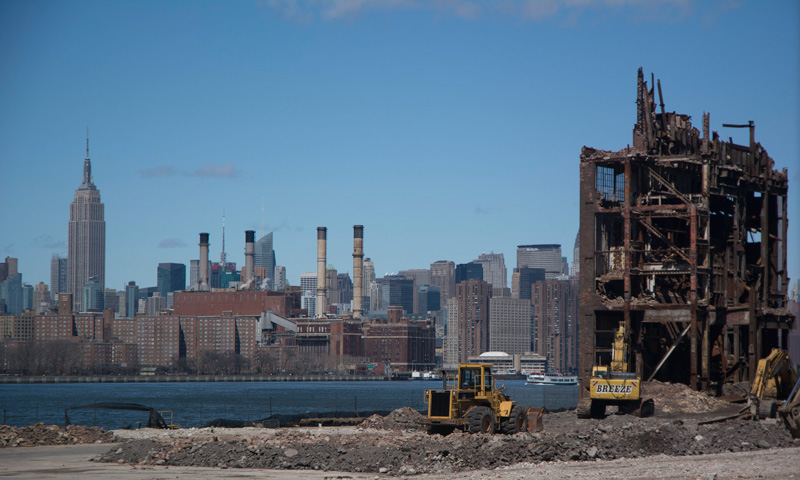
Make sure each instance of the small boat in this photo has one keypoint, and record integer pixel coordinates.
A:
(424, 376)
(542, 378)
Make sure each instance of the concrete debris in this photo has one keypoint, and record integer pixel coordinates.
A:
(40, 434)
(405, 418)
(678, 398)
(397, 451)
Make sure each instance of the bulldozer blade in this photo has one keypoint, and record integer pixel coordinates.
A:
(535, 419)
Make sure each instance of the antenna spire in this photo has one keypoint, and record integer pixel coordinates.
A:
(86, 183)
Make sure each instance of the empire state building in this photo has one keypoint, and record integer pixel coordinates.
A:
(86, 243)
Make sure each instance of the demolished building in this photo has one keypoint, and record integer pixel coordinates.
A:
(682, 238)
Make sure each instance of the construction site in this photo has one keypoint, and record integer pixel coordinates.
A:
(682, 241)
(683, 294)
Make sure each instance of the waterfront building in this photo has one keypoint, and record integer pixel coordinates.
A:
(86, 239)
(404, 344)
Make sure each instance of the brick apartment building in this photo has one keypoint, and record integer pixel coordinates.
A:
(405, 344)
(232, 302)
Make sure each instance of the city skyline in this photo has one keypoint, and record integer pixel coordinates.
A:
(476, 122)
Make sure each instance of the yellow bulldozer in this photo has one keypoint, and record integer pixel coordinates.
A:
(469, 400)
(614, 385)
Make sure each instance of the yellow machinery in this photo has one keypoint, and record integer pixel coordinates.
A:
(614, 385)
(469, 400)
(773, 382)
(789, 411)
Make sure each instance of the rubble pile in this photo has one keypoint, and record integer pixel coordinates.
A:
(405, 418)
(671, 398)
(410, 451)
(40, 434)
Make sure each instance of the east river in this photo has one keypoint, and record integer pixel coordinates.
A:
(195, 404)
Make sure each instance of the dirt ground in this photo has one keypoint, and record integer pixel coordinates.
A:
(677, 442)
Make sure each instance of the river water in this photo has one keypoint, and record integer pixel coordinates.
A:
(195, 404)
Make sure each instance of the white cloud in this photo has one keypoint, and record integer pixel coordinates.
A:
(171, 243)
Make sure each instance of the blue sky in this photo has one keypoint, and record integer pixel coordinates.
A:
(447, 128)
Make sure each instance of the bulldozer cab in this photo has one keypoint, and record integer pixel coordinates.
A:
(474, 380)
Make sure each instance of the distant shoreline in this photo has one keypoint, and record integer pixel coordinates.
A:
(46, 379)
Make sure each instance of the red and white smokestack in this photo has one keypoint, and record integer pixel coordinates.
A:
(358, 267)
(322, 301)
(249, 258)
(203, 282)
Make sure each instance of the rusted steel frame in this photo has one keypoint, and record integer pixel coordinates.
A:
(658, 208)
(693, 295)
(628, 256)
(669, 186)
(784, 227)
(766, 277)
(679, 209)
(654, 231)
(669, 352)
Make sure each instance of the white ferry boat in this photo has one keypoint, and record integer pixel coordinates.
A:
(542, 378)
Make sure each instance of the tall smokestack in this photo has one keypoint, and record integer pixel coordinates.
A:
(203, 262)
(249, 258)
(322, 240)
(358, 266)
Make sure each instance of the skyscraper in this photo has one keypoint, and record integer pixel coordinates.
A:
(280, 278)
(397, 290)
(171, 277)
(473, 318)
(308, 289)
(131, 299)
(265, 257)
(58, 275)
(468, 271)
(509, 325)
(368, 276)
(443, 275)
(86, 240)
(541, 256)
(494, 269)
(92, 295)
